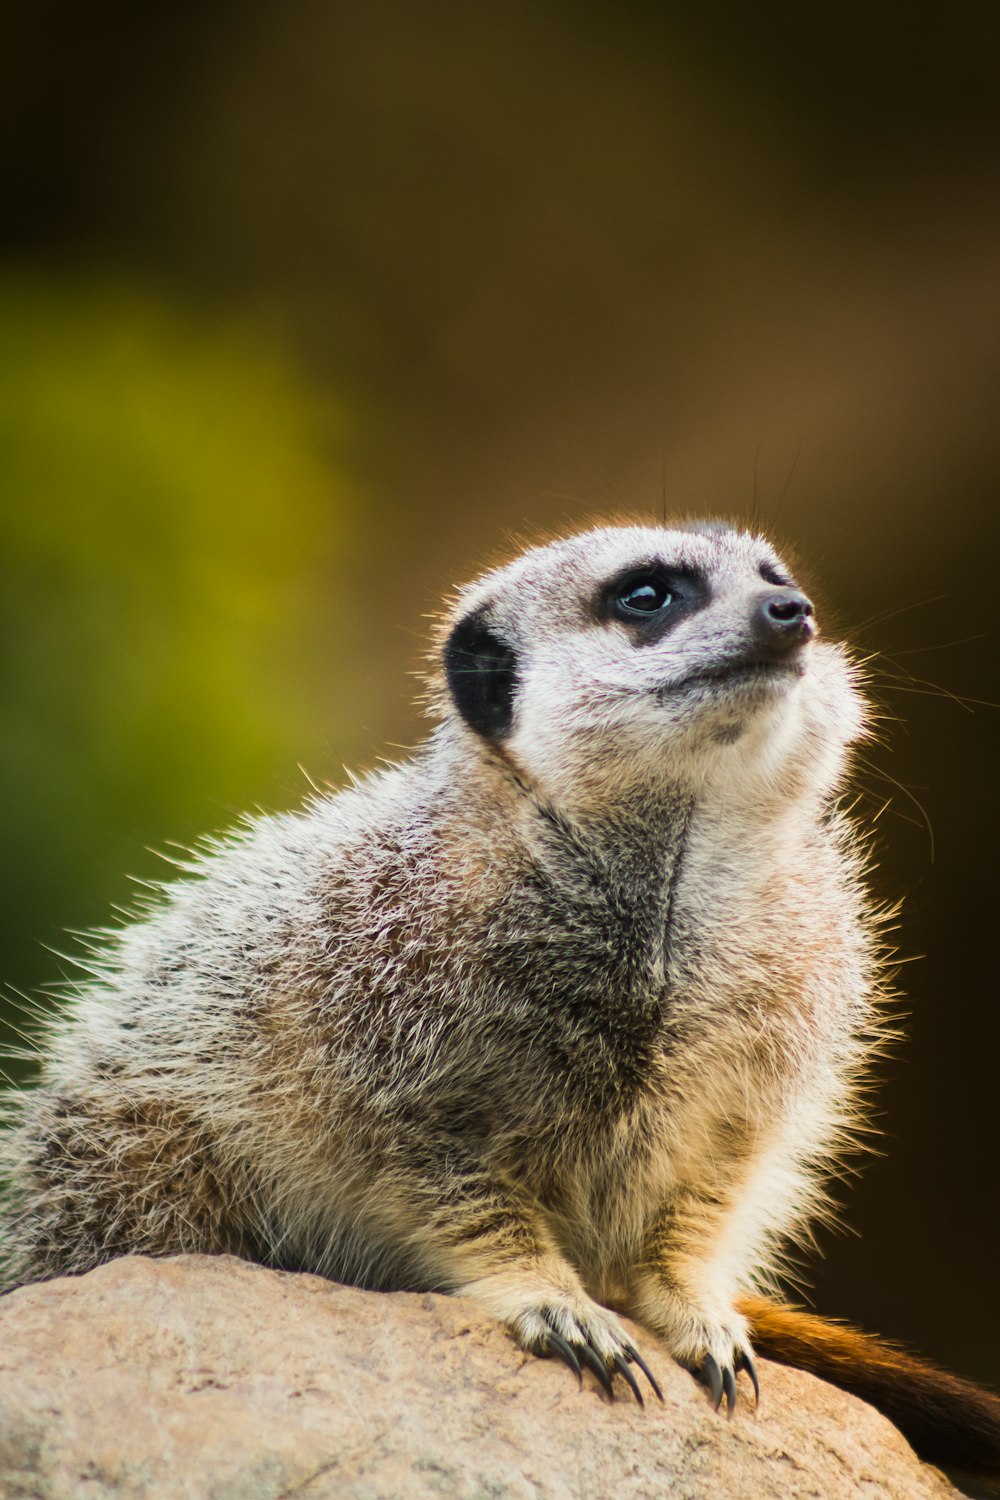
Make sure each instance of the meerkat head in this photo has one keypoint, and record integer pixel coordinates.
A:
(635, 657)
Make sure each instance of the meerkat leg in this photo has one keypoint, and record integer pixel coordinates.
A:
(683, 1291)
(486, 1246)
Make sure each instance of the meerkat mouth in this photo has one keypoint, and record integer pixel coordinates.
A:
(744, 672)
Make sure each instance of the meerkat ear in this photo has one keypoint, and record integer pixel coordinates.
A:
(482, 675)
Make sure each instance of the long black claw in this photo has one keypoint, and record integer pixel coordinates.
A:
(711, 1375)
(594, 1362)
(745, 1362)
(623, 1369)
(634, 1357)
(558, 1345)
(729, 1386)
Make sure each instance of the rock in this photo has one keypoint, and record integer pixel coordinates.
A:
(212, 1379)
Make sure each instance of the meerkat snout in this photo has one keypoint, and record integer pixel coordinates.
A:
(783, 620)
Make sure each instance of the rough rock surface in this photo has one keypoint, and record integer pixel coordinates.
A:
(217, 1380)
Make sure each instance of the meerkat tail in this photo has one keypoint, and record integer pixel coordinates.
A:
(948, 1420)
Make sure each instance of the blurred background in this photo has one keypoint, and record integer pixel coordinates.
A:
(305, 308)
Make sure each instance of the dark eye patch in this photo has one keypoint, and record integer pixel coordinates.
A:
(772, 574)
(650, 599)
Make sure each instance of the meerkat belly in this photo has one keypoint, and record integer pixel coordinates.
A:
(762, 1012)
(601, 1202)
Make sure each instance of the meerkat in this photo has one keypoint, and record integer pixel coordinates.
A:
(567, 1014)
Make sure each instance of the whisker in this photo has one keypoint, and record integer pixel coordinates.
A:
(788, 481)
(966, 640)
(900, 609)
(907, 792)
(904, 675)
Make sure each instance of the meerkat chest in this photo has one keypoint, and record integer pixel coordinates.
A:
(716, 1024)
(647, 1011)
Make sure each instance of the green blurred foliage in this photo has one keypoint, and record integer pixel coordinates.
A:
(170, 514)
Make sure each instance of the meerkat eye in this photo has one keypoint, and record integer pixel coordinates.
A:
(643, 595)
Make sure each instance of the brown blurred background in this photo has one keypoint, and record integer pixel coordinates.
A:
(303, 308)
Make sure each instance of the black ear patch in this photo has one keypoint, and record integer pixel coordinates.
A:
(482, 676)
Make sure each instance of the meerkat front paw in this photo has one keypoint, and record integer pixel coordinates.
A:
(549, 1313)
(584, 1336)
(714, 1349)
(715, 1353)
(718, 1376)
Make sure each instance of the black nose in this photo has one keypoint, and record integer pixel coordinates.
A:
(783, 619)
